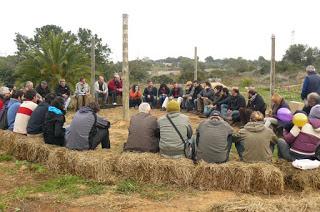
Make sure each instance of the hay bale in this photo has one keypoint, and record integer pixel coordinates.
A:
(238, 176)
(294, 106)
(152, 168)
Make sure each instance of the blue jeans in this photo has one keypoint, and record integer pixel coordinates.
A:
(285, 153)
(152, 101)
(235, 114)
(238, 145)
(161, 99)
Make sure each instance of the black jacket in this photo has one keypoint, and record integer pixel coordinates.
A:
(35, 124)
(62, 90)
(237, 102)
(152, 92)
(163, 90)
(257, 104)
(53, 131)
(42, 92)
(196, 91)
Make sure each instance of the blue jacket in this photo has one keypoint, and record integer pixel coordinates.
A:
(311, 84)
(13, 107)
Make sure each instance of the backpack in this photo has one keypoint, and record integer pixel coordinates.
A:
(4, 119)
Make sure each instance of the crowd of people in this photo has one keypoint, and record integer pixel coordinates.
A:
(39, 111)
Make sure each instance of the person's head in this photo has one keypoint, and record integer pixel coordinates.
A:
(49, 98)
(188, 84)
(58, 102)
(18, 95)
(82, 80)
(135, 88)
(207, 85)
(225, 91)
(315, 112)
(215, 115)
(218, 88)
(173, 107)
(150, 83)
(44, 84)
(94, 106)
(101, 79)
(196, 83)
(144, 108)
(251, 92)
(62, 82)
(256, 116)
(276, 99)
(116, 77)
(28, 85)
(313, 99)
(235, 91)
(5, 92)
(175, 85)
(310, 69)
(31, 95)
(163, 85)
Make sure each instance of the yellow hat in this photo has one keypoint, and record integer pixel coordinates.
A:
(173, 106)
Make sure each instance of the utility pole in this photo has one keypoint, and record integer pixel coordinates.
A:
(195, 76)
(93, 65)
(272, 66)
(125, 68)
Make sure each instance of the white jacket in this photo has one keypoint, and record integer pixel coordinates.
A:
(104, 87)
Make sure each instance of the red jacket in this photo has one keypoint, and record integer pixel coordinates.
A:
(115, 86)
(133, 95)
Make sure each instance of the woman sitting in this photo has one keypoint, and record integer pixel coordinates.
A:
(135, 96)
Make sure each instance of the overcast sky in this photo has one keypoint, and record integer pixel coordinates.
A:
(171, 28)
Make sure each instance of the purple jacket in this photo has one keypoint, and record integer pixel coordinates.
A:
(305, 140)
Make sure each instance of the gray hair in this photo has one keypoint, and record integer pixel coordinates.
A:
(28, 83)
(144, 108)
(310, 68)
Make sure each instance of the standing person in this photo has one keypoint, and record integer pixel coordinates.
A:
(278, 102)
(64, 91)
(53, 130)
(43, 89)
(175, 94)
(101, 91)
(150, 94)
(13, 107)
(82, 92)
(135, 96)
(37, 118)
(25, 111)
(204, 97)
(311, 82)
(312, 100)
(171, 145)
(163, 93)
(115, 88)
(87, 130)
(237, 102)
(144, 131)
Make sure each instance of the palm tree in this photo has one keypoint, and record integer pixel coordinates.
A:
(58, 56)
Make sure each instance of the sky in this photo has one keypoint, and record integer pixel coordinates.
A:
(172, 28)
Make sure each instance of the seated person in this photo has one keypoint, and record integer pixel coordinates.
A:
(187, 97)
(255, 103)
(5, 95)
(197, 88)
(204, 97)
(13, 107)
(25, 111)
(115, 88)
(301, 143)
(277, 103)
(150, 94)
(171, 145)
(143, 131)
(214, 139)
(43, 89)
(37, 118)
(101, 91)
(135, 96)
(175, 93)
(257, 141)
(53, 131)
(312, 100)
(82, 92)
(87, 130)
(223, 99)
(230, 110)
(64, 91)
(163, 93)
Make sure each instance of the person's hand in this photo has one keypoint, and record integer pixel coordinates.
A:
(65, 96)
(148, 96)
(189, 97)
(229, 111)
(205, 97)
(171, 97)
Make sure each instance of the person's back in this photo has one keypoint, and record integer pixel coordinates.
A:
(37, 118)
(143, 131)
(170, 142)
(212, 140)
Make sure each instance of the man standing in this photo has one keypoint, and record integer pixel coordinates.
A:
(311, 82)
(150, 94)
(101, 91)
(82, 92)
(63, 90)
(115, 88)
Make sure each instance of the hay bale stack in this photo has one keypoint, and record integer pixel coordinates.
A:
(237, 176)
(152, 168)
(7, 140)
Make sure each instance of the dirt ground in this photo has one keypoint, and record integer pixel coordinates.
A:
(20, 183)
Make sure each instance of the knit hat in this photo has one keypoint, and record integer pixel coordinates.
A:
(315, 112)
(4, 90)
(173, 106)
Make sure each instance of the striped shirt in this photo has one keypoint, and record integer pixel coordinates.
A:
(23, 116)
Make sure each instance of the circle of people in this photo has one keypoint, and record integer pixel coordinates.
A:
(296, 135)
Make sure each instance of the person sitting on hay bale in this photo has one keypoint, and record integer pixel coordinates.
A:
(302, 141)
(13, 106)
(64, 90)
(5, 95)
(312, 100)
(143, 131)
(87, 130)
(204, 98)
(135, 96)
(115, 88)
(175, 130)
(53, 130)
(43, 89)
(82, 93)
(25, 111)
(197, 88)
(187, 97)
(101, 91)
(163, 93)
(36, 122)
(150, 94)
(214, 139)
(257, 141)
(230, 110)
(175, 94)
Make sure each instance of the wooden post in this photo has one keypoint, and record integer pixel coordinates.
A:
(125, 68)
(195, 76)
(272, 67)
(93, 66)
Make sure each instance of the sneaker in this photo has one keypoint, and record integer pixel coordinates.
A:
(114, 103)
